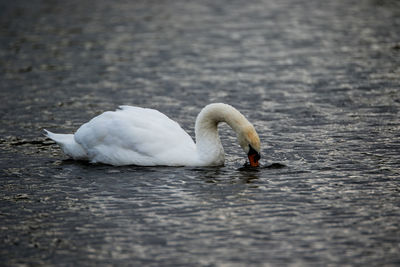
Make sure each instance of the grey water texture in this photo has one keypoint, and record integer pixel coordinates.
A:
(320, 81)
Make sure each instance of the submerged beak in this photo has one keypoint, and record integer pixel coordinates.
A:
(254, 157)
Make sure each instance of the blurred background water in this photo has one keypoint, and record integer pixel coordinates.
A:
(318, 79)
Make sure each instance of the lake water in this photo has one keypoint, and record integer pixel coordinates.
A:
(320, 80)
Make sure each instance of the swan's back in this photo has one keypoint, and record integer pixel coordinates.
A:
(134, 135)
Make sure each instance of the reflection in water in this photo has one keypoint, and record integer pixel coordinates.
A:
(249, 174)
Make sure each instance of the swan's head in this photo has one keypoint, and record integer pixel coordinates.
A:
(250, 142)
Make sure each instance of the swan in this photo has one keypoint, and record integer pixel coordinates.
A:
(146, 137)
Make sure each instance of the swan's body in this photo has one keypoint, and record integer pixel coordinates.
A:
(146, 137)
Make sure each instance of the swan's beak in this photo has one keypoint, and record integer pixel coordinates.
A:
(254, 160)
(254, 157)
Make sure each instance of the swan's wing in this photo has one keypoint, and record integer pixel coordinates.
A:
(133, 135)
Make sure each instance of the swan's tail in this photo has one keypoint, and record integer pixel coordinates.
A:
(68, 145)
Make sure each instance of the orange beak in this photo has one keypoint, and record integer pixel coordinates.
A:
(253, 158)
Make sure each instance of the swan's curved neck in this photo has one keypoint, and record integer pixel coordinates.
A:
(208, 144)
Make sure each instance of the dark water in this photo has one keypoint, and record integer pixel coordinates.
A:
(320, 80)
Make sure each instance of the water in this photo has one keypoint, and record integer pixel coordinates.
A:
(320, 82)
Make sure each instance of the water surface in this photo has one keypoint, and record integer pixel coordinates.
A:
(320, 82)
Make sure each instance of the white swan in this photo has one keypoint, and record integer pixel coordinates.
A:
(146, 137)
